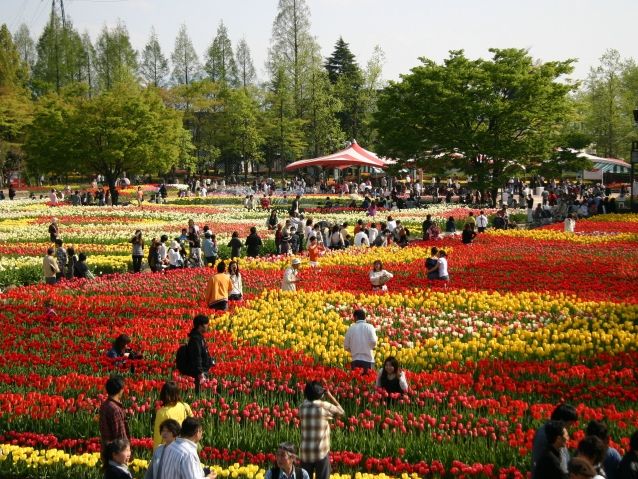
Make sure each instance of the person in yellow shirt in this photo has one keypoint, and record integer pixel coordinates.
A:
(172, 408)
(218, 288)
(50, 267)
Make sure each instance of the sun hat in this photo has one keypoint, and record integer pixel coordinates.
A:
(296, 261)
(175, 245)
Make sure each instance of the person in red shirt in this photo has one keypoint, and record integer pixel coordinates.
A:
(315, 249)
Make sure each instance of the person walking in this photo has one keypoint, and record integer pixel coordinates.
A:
(315, 415)
(481, 222)
(360, 341)
(180, 459)
(112, 417)
(291, 276)
(199, 358)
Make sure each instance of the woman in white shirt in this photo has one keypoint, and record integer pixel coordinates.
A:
(237, 291)
(379, 277)
(175, 259)
(442, 266)
(570, 224)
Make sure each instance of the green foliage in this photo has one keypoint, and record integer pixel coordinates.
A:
(125, 129)
(13, 70)
(185, 61)
(502, 114)
(25, 46)
(116, 60)
(220, 63)
(245, 67)
(153, 66)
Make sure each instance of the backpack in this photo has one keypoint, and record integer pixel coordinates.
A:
(182, 360)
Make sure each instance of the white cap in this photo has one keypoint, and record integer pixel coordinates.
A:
(296, 261)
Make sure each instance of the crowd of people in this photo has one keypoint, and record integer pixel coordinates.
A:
(176, 433)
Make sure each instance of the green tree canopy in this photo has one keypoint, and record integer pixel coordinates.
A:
(154, 65)
(125, 129)
(186, 66)
(220, 58)
(116, 59)
(501, 114)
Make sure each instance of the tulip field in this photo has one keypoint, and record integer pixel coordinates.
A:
(529, 318)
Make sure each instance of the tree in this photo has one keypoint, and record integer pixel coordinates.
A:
(347, 78)
(60, 57)
(154, 66)
(116, 60)
(15, 104)
(245, 67)
(611, 101)
(185, 62)
(500, 114)
(220, 63)
(292, 47)
(25, 46)
(89, 64)
(373, 83)
(284, 138)
(125, 129)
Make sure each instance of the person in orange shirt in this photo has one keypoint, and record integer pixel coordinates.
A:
(315, 249)
(218, 288)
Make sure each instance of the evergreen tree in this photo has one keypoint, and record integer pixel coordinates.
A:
(245, 66)
(154, 66)
(341, 62)
(186, 66)
(116, 60)
(220, 62)
(25, 45)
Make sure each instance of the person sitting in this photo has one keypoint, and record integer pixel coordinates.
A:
(549, 463)
(391, 378)
(120, 349)
(286, 457)
(434, 231)
(81, 269)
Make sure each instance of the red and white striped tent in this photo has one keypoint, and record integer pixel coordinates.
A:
(354, 155)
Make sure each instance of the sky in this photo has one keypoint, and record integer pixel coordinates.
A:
(404, 29)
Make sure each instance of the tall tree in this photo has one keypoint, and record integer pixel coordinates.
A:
(154, 65)
(347, 78)
(373, 83)
(125, 129)
(245, 66)
(610, 118)
(502, 114)
(292, 47)
(220, 60)
(15, 103)
(89, 67)
(116, 60)
(25, 46)
(186, 66)
(59, 56)
(284, 137)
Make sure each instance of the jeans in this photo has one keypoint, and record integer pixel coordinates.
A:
(137, 263)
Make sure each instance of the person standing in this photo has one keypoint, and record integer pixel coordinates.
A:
(137, 251)
(209, 247)
(115, 458)
(360, 341)
(315, 415)
(235, 245)
(54, 230)
(291, 276)
(425, 226)
(570, 223)
(113, 423)
(237, 289)
(12, 192)
(218, 289)
(628, 468)
(253, 243)
(50, 268)
(481, 222)
(199, 358)
(62, 258)
(172, 408)
(180, 459)
(315, 249)
(530, 208)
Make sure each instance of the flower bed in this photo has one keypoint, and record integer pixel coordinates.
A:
(529, 319)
